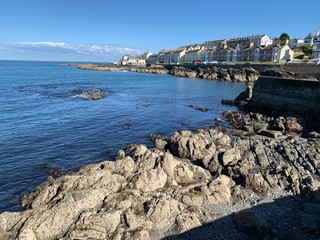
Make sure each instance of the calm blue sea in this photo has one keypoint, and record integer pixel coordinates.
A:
(43, 127)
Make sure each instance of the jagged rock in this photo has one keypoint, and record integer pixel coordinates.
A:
(111, 199)
(201, 109)
(94, 94)
(146, 193)
(231, 156)
(238, 75)
(251, 74)
(270, 133)
(292, 125)
(257, 182)
(218, 119)
(183, 72)
(313, 134)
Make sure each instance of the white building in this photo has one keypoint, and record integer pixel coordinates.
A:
(296, 42)
(257, 40)
(286, 53)
(212, 44)
(308, 40)
(316, 47)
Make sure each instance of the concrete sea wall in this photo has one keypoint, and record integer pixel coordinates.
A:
(301, 96)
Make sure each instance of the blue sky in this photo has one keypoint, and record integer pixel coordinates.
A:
(101, 30)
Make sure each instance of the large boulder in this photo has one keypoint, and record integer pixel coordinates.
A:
(183, 72)
(141, 194)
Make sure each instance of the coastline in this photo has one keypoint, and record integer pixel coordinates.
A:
(245, 74)
(190, 185)
(234, 73)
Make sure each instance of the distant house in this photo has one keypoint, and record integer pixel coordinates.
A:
(269, 53)
(308, 40)
(316, 48)
(164, 56)
(286, 53)
(210, 55)
(296, 42)
(126, 59)
(130, 60)
(178, 55)
(276, 53)
(144, 55)
(152, 59)
(257, 40)
(249, 53)
(213, 44)
(194, 53)
(226, 54)
(140, 61)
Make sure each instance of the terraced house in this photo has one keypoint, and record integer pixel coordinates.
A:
(249, 53)
(257, 40)
(253, 48)
(316, 48)
(194, 53)
(226, 54)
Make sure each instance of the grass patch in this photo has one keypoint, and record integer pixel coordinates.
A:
(298, 55)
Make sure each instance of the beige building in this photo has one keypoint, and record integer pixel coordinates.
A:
(276, 53)
(178, 55)
(194, 53)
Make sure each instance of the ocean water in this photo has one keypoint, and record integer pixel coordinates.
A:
(44, 127)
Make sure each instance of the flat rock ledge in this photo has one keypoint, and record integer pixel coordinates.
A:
(197, 178)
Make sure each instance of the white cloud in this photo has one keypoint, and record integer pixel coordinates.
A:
(64, 51)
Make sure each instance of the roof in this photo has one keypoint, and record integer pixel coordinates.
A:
(248, 48)
(259, 36)
(220, 40)
(193, 51)
(226, 49)
(180, 49)
(310, 36)
(271, 46)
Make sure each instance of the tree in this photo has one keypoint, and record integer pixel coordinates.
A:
(284, 37)
(307, 50)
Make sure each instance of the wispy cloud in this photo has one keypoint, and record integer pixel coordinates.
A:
(64, 51)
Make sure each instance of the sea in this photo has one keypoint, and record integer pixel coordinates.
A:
(47, 128)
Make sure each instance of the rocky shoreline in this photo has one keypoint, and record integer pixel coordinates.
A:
(238, 183)
(245, 74)
(228, 73)
(257, 179)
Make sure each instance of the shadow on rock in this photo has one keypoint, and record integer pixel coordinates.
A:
(288, 218)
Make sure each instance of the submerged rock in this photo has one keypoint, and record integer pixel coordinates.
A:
(94, 94)
(201, 109)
